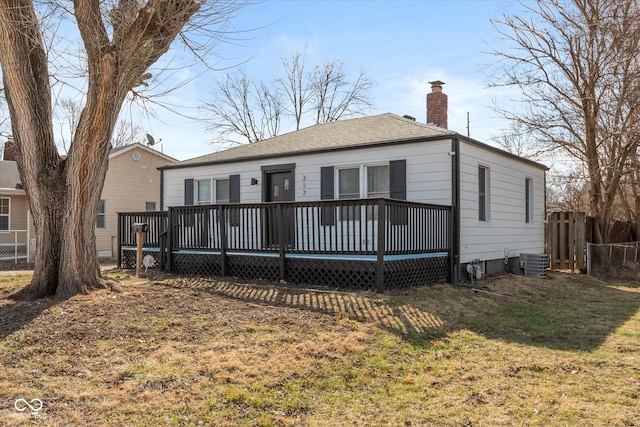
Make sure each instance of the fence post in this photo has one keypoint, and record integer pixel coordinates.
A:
(119, 234)
(15, 247)
(29, 235)
(581, 218)
(281, 239)
(588, 258)
(170, 237)
(381, 246)
(223, 241)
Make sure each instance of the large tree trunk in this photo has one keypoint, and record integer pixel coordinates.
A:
(64, 193)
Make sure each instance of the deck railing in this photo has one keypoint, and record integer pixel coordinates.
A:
(355, 226)
(373, 227)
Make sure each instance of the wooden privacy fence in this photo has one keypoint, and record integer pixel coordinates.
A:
(565, 240)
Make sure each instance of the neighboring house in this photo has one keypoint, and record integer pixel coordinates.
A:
(132, 183)
(13, 212)
(13, 199)
(498, 199)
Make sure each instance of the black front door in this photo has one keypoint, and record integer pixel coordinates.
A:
(279, 188)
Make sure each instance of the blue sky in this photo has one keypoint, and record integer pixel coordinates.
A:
(401, 45)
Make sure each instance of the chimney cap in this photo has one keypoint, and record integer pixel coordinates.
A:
(436, 83)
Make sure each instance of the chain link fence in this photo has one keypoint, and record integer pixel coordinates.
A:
(619, 260)
(15, 245)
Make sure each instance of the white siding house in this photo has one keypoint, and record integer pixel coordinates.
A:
(498, 198)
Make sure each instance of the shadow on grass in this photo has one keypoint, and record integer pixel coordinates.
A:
(15, 315)
(565, 313)
(578, 313)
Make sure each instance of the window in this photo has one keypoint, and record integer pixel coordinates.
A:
(349, 188)
(386, 180)
(528, 200)
(150, 206)
(203, 192)
(349, 183)
(483, 193)
(222, 191)
(377, 181)
(5, 210)
(101, 217)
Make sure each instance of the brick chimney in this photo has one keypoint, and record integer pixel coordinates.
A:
(437, 105)
(9, 149)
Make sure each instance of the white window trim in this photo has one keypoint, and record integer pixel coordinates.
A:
(8, 215)
(362, 176)
(196, 183)
(363, 190)
(213, 196)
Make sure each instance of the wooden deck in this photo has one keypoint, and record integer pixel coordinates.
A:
(372, 244)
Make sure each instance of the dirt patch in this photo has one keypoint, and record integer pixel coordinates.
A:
(21, 265)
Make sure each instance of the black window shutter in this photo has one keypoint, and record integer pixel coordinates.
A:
(188, 219)
(398, 179)
(327, 187)
(234, 197)
(188, 192)
(398, 190)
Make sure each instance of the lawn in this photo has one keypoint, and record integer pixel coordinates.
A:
(188, 351)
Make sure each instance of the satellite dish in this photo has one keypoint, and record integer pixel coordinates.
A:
(150, 140)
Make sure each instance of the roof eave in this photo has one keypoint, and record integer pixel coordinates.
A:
(306, 152)
(502, 152)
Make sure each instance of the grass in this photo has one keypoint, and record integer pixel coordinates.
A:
(188, 352)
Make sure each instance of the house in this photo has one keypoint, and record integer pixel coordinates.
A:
(497, 199)
(13, 210)
(132, 183)
(375, 203)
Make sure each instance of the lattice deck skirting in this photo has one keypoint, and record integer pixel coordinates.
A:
(332, 271)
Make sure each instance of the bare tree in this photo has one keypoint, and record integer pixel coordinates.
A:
(253, 110)
(566, 191)
(518, 140)
(241, 107)
(335, 96)
(576, 63)
(120, 41)
(295, 86)
(68, 114)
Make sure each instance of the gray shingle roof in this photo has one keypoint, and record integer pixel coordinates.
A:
(357, 132)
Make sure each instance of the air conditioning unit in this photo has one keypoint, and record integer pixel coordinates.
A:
(535, 265)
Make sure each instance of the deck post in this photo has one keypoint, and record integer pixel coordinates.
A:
(223, 241)
(283, 261)
(381, 246)
(170, 237)
(119, 234)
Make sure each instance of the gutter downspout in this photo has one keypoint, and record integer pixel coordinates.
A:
(454, 227)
